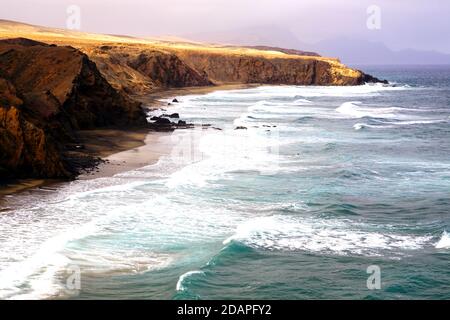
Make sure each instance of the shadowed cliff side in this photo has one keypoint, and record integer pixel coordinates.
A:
(138, 71)
(46, 93)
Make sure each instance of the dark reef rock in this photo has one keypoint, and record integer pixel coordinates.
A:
(162, 120)
(367, 78)
(173, 115)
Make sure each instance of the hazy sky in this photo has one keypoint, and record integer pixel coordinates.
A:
(417, 24)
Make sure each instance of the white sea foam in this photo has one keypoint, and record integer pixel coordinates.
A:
(359, 126)
(444, 241)
(322, 236)
(274, 92)
(393, 124)
(287, 95)
(112, 225)
(408, 123)
(48, 258)
(265, 109)
(302, 102)
(220, 153)
(183, 277)
(354, 109)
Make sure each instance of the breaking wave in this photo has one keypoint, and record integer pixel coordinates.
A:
(323, 236)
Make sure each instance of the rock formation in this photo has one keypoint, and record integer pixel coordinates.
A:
(289, 69)
(138, 70)
(46, 93)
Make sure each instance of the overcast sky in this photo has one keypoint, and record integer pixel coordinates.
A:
(417, 24)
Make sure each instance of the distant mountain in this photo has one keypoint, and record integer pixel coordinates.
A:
(272, 36)
(352, 51)
(349, 51)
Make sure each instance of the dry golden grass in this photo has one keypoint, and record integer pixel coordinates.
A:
(9, 29)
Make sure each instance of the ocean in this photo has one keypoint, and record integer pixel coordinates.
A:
(279, 192)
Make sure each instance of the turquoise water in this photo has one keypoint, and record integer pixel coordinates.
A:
(323, 183)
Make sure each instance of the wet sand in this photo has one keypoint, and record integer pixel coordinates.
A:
(139, 154)
(123, 150)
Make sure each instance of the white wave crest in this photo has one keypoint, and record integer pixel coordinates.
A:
(321, 236)
(444, 242)
(354, 109)
(183, 278)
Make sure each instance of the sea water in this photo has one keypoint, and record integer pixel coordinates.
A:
(318, 186)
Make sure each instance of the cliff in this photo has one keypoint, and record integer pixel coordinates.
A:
(46, 94)
(141, 65)
(136, 69)
(287, 69)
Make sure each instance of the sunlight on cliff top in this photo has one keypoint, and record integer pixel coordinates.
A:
(9, 29)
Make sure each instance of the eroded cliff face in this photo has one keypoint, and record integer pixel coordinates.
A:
(27, 150)
(46, 93)
(290, 70)
(167, 70)
(138, 70)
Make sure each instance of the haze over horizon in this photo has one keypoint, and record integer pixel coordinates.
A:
(305, 25)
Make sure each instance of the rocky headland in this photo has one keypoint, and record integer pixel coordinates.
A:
(54, 84)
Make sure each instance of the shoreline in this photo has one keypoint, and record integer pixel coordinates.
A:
(154, 145)
(152, 100)
(121, 150)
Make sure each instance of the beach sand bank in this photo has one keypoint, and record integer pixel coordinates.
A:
(123, 150)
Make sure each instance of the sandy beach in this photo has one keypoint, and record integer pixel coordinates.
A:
(128, 150)
(122, 150)
(143, 149)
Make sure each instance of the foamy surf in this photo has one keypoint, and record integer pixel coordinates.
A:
(355, 109)
(323, 236)
(444, 241)
(39, 271)
(305, 188)
(184, 277)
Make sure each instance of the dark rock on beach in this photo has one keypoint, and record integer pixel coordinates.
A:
(162, 120)
(173, 115)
